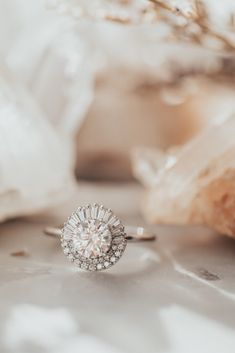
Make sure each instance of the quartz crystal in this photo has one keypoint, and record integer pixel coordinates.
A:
(35, 162)
(194, 183)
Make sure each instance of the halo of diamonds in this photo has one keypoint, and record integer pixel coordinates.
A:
(88, 222)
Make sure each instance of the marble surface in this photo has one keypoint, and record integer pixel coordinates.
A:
(173, 295)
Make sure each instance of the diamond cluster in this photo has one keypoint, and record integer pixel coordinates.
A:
(93, 238)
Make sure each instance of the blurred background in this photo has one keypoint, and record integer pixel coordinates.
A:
(87, 88)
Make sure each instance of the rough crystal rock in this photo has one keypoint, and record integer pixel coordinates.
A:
(36, 168)
(194, 183)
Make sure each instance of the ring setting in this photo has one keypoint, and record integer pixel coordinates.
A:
(93, 238)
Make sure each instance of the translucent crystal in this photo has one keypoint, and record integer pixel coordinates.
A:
(27, 186)
(194, 183)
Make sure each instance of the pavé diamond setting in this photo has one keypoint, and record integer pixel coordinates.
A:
(93, 238)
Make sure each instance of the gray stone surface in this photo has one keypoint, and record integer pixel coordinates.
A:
(174, 295)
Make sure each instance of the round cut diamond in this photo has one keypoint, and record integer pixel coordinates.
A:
(91, 238)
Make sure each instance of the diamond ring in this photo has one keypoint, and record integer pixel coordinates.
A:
(94, 238)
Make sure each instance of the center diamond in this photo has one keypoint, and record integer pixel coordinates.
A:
(92, 238)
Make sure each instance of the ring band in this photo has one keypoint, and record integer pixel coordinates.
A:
(94, 238)
(133, 234)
